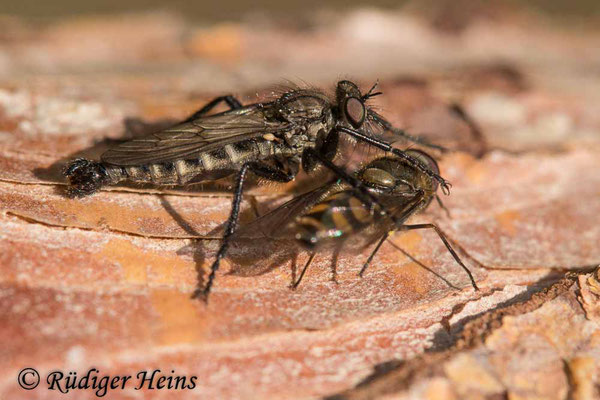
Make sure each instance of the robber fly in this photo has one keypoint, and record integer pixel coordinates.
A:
(270, 139)
(334, 213)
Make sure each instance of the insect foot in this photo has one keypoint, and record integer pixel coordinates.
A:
(85, 177)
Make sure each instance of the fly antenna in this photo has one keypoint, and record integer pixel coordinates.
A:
(371, 92)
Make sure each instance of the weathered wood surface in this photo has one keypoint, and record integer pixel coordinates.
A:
(106, 281)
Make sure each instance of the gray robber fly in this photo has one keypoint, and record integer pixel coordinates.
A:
(270, 139)
(335, 212)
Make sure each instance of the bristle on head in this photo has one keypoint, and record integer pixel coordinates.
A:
(85, 177)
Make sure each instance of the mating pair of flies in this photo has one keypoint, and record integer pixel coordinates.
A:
(273, 140)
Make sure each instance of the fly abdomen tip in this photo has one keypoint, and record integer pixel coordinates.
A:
(85, 177)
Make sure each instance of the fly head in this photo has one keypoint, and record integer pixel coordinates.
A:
(350, 104)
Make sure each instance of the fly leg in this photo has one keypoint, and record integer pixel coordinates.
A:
(446, 243)
(258, 168)
(400, 132)
(455, 109)
(442, 206)
(294, 285)
(232, 222)
(334, 262)
(375, 250)
(231, 101)
(397, 222)
(399, 153)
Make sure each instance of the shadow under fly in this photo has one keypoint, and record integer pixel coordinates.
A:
(336, 212)
(302, 127)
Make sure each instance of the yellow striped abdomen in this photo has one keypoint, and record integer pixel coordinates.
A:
(335, 217)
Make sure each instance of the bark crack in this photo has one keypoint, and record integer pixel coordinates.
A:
(474, 333)
(31, 220)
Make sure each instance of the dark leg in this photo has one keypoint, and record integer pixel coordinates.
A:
(310, 259)
(362, 193)
(230, 228)
(400, 132)
(446, 243)
(334, 261)
(442, 206)
(259, 169)
(419, 263)
(231, 101)
(399, 153)
(375, 250)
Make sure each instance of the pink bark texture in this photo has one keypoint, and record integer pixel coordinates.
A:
(105, 281)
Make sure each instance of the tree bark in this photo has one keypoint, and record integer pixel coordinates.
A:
(105, 281)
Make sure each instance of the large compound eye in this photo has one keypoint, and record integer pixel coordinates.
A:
(426, 159)
(355, 111)
(378, 178)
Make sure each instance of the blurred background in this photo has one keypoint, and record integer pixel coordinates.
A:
(266, 41)
(156, 60)
(160, 59)
(235, 10)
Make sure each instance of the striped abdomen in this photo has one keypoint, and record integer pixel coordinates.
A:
(336, 216)
(206, 166)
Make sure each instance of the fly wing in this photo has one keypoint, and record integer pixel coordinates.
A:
(258, 246)
(189, 139)
(276, 223)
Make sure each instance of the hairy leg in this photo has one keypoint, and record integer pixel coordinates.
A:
(262, 170)
(402, 133)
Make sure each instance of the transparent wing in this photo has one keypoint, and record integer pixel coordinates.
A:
(187, 140)
(276, 223)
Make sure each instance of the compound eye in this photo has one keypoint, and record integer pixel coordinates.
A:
(355, 111)
(426, 159)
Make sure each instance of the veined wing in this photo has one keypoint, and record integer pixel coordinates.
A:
(188, 139)
(330, 211)
(260, 234)
(275, 223)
